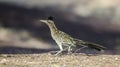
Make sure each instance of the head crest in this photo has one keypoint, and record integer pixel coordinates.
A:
(50, 18)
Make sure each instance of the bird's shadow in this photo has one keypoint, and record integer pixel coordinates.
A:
(86, 51)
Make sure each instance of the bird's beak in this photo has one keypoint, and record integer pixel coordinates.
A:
(43, 21)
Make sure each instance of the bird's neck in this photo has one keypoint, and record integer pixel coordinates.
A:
(53, 28)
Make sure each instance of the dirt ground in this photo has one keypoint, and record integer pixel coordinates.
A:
(48, 60)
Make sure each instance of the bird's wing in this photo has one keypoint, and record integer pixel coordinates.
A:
(63, 34)
(66, 38)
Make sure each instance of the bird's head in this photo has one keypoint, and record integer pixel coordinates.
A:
(48, 21)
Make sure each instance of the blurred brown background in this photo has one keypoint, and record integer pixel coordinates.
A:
(90, 20)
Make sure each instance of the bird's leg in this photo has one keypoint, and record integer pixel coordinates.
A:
(69, 50)
(80, 49)
(61, 49)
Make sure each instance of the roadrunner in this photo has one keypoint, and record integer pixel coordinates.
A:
(63, 39)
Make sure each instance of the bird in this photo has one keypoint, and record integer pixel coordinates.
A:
(63, 39)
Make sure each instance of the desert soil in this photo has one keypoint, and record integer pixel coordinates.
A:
(69, 60)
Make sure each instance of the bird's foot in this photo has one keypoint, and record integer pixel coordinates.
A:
(53, 52)
(56, 52)
(69, 52)
(59, 53)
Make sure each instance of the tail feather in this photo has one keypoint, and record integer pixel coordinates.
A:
(90, 45)
(95, 46)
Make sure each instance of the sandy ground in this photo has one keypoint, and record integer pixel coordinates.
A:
(48, 60)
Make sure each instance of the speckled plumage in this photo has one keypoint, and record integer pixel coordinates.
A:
(62, 38)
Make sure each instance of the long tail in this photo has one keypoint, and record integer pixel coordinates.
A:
(95, 46)
(90, 45)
